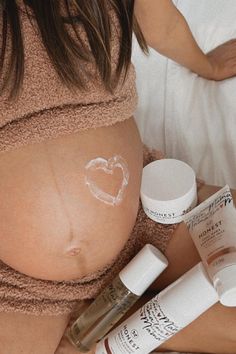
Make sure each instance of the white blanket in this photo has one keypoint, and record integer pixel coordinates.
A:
(187, 117)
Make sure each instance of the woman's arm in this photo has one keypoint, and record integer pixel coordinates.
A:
(166, 30)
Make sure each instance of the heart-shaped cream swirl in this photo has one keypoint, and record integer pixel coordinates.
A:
(108, 166)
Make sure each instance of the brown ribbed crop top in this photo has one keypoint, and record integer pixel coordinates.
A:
(46, 108)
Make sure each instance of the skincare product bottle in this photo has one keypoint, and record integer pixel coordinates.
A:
(168, 190)
(116, 299)
(163, 316)
(212, 226)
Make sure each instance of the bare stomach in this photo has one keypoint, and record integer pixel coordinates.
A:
(68, 204)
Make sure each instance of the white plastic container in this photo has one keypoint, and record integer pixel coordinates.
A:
(168, 190)
(212, 226)
(163, 316)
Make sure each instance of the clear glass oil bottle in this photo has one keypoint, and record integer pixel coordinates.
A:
(101, 315)
(117, 298)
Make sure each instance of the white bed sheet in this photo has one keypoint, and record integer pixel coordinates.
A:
(187, 117)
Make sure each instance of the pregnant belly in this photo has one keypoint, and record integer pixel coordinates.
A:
(68, 205)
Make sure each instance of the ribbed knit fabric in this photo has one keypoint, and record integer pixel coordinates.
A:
(21, 293)
(46, 108)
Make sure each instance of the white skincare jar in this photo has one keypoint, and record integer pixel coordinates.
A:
(168, 190)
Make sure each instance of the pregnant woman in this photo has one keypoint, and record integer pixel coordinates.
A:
(71, 156)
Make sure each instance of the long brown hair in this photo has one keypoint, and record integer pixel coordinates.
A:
(67, 53)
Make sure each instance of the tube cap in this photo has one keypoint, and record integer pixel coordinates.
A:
(225, 284)
(143, 269)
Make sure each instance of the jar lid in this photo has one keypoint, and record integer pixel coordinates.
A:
(143, 269)
(168, 190)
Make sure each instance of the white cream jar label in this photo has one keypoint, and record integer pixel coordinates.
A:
(168, 190)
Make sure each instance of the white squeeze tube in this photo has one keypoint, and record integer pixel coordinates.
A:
(163, 316)
(212, 226)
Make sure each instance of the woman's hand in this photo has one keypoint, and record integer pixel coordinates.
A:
(206, 190)
(223, 61)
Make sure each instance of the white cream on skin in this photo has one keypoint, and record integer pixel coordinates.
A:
(108, 166)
